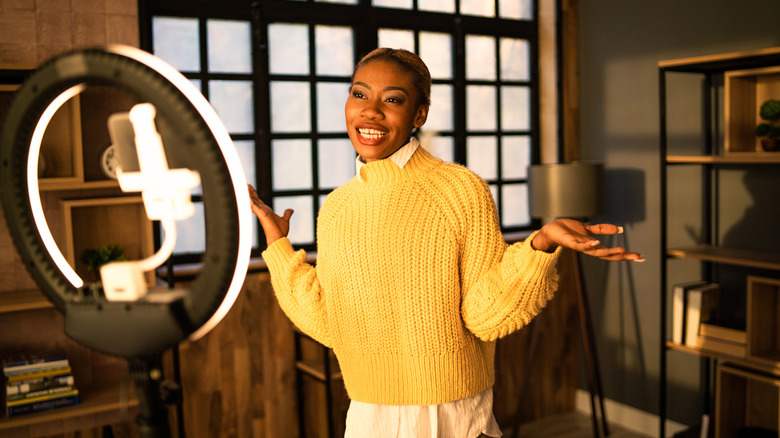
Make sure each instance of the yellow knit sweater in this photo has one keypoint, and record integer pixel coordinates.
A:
(414, 282)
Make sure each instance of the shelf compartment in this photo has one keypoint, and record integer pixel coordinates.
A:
(103, 405)
(729, 256)
(61, 143)
(745, 399)
(745, 91)
(763, 306)
(21, 300)
(90, 223)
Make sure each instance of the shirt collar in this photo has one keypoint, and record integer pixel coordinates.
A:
(399, 157)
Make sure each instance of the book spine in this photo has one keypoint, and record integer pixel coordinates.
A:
(41, 398)
(12, 370)
(38, 384)
(40, 393)
(17, 378)
(43, 405)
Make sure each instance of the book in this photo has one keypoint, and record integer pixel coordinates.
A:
(21, 377)
(27, 364)
(43, 405)
(701, 306)
(54, 391)
(678, 309)
(38, 384)
(43, 397)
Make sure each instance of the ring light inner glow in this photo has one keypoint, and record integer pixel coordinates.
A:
(32, 186)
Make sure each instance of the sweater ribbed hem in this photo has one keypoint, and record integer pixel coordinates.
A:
(397, 379)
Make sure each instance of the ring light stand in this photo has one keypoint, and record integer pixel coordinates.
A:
(127, 320)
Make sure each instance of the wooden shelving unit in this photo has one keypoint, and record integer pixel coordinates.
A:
(84, 209)
(746, 388)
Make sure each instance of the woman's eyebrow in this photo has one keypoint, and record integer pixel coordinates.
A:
(365, 85)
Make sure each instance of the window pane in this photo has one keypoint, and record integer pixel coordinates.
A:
(436, 51)
(482, 156)
(336, 162)
(302, 222)
(485, 8)
(176, 40)
(515, 156)
(398, 4)
(440, 114)
(514, 208)
(234, 103)
(481, 108)
(436, 5)
(229, 46)
(330, 106)
(190, 232)
(288, 49)
(334, 51)
(515, 56)
(516, 9)
(494, 192)
(291, 161)
(480, 57)
(246, 153)
(396, 39)
(290, 107)
(515, 104)
(440, 147)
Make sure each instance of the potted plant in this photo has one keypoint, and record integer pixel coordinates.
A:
(95, 258)
(769, 129)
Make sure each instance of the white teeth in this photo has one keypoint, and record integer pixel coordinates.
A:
(371, 133)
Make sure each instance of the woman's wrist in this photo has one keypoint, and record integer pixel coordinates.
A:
(541, 243)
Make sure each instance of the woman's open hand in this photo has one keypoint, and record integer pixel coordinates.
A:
(274, 226)
(574, 234)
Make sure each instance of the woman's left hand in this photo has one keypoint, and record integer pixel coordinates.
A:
(574, 234)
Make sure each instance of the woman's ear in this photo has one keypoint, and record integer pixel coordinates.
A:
(421, 116)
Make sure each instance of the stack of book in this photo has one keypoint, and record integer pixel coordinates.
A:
(696, 321)
(38, 383)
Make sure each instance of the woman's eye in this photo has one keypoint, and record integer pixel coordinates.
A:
(394, 100)
(357, 94)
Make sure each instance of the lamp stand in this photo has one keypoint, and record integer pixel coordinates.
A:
(593, 371)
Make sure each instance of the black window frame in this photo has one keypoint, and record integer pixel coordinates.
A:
(365, 20)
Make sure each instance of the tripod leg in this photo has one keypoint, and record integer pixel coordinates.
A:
(591, 356)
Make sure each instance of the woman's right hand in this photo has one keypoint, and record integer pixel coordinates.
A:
(274, 226)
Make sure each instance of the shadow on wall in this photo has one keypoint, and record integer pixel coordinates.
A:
(626, 205)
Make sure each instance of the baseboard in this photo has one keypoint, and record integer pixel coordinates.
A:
(627, 417)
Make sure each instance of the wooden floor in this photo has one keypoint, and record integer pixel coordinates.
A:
(568, 425)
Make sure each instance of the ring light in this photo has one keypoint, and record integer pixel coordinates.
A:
(159, 320)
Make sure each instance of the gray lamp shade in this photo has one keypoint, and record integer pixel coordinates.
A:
(574, 190)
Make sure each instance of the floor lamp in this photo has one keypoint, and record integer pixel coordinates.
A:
(572, 190)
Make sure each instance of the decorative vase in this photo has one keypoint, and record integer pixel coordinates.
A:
(770, 144)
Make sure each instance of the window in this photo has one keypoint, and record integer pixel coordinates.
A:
(278, 73)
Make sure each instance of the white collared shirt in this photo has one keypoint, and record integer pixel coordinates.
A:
(464, 418)
(399, 157)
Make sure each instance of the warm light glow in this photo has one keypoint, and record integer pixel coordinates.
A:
(34, 193)
(234, 167)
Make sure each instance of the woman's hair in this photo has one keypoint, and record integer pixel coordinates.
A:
(408, 62)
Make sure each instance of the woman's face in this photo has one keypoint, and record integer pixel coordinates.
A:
(382, 109)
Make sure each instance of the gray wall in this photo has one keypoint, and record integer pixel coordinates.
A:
(621, 42)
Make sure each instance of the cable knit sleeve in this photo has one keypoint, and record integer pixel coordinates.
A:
(297, 289)
(503, 287)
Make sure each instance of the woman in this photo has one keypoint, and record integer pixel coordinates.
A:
(414, 282)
